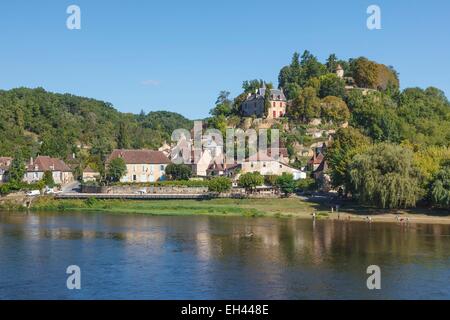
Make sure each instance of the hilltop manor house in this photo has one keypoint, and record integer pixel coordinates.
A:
(254, 104)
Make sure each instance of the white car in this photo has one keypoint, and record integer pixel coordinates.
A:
(49, 191)
(33, 193)
(142, 191)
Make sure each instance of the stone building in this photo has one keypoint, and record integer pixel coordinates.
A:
(61, 172)
(254, 104)
(142, 165)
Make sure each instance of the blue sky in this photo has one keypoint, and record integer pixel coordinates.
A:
(177, 55)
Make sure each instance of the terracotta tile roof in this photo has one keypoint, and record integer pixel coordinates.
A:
(215, 166)
(45, 163)
(89, 169)
(316, 159)
(322, 167)
(139, 156)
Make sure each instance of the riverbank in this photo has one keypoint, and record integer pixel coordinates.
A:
(281, 207)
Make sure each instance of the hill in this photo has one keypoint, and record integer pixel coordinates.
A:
(35, 121)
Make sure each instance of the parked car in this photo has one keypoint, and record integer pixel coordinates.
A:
(33, 193)
(49, 190)
(142, 191)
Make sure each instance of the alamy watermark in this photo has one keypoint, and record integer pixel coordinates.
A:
(374, 280)
(73, 22)
(74, 280)
(240, 146)
(374, 20)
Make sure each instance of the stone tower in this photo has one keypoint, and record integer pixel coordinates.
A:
(340, 71)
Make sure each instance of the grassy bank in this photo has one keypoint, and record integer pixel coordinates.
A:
(282, 207)
(230, 207)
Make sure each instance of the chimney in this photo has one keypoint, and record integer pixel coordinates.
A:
(31, 160)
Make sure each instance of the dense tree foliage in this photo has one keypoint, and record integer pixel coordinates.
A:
(286, 183)
(440, 187)
(334, 109)
(250, 180)
(369, 74)
(347, 143)
(305, 106)
(116, 170)
(219, 184)
(384, 176)
(178, 171)
(17, 169)
(48, 179)
(331, 85)
(39, 122)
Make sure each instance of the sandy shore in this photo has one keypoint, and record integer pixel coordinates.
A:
(404, 218)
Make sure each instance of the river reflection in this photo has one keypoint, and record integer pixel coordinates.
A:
(200, 257)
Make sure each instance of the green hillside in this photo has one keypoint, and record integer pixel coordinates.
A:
(39, 122)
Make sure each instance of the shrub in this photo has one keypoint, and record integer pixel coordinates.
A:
(219, 185)
(91, 201)
(307, 184)
(286, 183)
(250, 180)
(270, 180)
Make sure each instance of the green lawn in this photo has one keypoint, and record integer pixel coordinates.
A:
(230, 207)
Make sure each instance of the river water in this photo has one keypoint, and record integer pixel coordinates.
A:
(201, 257)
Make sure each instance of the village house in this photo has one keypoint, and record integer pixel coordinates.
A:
(254, 104)
(5, 162)
(315, 161)
(267, 165)
(90, 174)
(35, 169)
(322, 177)
(142, 165)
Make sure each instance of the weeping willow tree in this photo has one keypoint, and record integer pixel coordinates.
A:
(440, 188)
(385, 176)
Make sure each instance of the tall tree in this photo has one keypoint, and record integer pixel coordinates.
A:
(116, 170)
(286, 183)
(306, 106)
(17, 169)
(440, 188)
(335, 110)
(332, 63)
(347, 142)
(123, 141)
(385, 176)
(331, 85)
(250, 180)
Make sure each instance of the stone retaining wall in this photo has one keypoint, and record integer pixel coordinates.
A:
(137, 189)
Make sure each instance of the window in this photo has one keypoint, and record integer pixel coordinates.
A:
(134, 177)
(274, 104)
(264, 164)
(161, 167)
